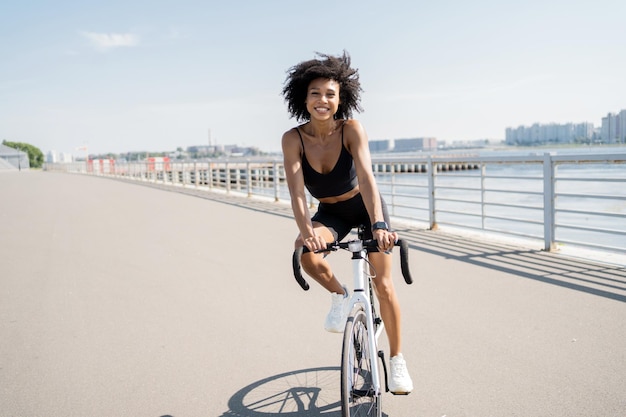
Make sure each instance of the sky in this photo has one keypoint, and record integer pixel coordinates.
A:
(127, 76)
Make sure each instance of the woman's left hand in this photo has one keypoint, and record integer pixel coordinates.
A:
(386, 240)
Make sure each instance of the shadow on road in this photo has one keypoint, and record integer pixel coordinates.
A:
(604, 280)
(310, 392)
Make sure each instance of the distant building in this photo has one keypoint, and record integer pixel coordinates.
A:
(608, 131)
(227, 150)
(403, 145)
(415, 144)
(202, 149)
(11, 158)
(61, 157)
(385, 145)
(549, 133)
(613, 128)
(584, 130)
(621, 126)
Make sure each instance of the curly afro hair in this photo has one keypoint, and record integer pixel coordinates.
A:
(336, 68)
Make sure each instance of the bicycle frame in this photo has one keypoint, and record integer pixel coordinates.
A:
(361, 298)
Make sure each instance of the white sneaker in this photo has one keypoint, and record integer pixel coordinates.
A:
(400, 381)
(336, 318)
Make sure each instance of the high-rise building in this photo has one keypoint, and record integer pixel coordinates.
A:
(621, 126)
(548, 133)
(608, 132)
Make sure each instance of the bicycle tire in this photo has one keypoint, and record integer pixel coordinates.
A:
(358, 398)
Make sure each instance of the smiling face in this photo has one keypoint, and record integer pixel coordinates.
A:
(322, 99)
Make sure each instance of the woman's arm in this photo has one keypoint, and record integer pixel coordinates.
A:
(357, 143)
(295, 182)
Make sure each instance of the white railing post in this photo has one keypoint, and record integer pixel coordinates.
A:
(393, 189)
(548, 202)
(276, 182)
(248, 178)
(483, 173)
(210, 174)
(432, 217)
(227, 175)
(237, 177)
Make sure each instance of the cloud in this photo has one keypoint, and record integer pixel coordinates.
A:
(106, 41)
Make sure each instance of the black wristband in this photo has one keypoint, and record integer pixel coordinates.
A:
(379, 226)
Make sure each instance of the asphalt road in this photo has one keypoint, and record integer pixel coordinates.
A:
(120, 299)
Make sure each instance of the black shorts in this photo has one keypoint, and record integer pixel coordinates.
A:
(340, 218)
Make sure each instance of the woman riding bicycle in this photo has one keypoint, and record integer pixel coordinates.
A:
(329, 155)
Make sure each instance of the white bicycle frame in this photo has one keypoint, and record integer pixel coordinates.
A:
(361, 296)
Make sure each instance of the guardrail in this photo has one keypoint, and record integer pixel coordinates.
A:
(558, 199)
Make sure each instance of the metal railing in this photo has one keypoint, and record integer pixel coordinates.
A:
(536, 197)
(557, 199)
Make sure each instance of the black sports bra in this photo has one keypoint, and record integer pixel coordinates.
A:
(341, 179)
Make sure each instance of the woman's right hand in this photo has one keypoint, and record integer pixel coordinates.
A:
(315, 243)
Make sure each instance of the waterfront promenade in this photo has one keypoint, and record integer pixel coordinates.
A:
(127, 299)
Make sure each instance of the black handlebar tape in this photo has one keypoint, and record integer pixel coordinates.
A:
(404, 261)
(297, 272)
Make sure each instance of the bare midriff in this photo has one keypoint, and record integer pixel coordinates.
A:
(338, 198)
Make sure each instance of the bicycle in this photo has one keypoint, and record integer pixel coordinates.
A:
(361, 391)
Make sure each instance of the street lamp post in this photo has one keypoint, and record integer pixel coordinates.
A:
(19, 159)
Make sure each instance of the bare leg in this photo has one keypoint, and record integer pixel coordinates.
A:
(316, 266)
(388, 300)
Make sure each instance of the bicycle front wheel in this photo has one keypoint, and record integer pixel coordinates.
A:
(358, 396)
